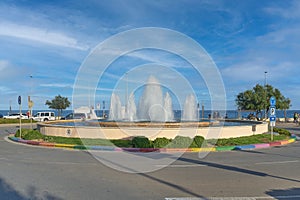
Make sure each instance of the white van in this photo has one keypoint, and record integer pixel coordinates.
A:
(44, 116)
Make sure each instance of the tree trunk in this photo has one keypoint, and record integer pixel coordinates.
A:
(285, 119)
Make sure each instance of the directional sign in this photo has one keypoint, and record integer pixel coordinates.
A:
(272, 124)
(273, 101)
(272, 111)
(19, 100)
(30, 104)
(272, 119)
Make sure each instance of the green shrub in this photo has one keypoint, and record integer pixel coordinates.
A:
(161, 142)
(211, 142)
(33, 135)
(282, 131)
(24, 132)
(198, 141)
(28, 134)
(141, 142)
(181, 142)
(122, 143)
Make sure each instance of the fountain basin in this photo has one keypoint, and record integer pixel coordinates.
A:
(127, 130)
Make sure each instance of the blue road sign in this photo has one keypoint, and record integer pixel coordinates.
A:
(272, 111)
(272, 101)
(272, 119)
(19, 100)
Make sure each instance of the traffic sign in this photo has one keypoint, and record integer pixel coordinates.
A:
(273, 101)
(30, 104)
(272, 124)
(272, 121)
(19, 100)
(272, 111)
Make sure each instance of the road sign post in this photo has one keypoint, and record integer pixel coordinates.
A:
(20, 114)
(272, 114)
(273, 101)
(30, 105)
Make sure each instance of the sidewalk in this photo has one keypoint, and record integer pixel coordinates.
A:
(293, 127)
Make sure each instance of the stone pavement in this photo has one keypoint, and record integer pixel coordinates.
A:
(292, 127)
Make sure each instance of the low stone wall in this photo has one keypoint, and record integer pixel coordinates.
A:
(151, 133)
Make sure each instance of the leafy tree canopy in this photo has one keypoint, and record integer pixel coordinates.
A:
(258, 99)
(59, 103)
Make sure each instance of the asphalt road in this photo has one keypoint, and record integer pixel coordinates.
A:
(28, 172)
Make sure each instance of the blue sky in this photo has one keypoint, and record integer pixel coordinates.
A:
(49, 40)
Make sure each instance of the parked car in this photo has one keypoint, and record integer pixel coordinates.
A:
(44, 116)
(15, 116)
(81, 116)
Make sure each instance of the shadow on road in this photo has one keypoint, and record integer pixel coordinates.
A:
(7, 192)
(293, 193)
(158, 180)
(235, 169)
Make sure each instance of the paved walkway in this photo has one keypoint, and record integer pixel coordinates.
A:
(293, 127)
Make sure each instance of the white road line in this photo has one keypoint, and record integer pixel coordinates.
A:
(183, 166)
(235, 198)
(277, 162)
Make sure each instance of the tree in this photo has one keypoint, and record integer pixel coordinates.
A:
(59, 103)
(258, 99)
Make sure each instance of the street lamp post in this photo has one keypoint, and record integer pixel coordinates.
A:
(265, 86)
(30, 103)
(126, 97)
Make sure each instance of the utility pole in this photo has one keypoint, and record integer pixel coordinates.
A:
(265, 86)
(126, 97)
(202, 111)
(30, 103)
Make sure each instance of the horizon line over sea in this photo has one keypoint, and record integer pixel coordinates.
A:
(231, 114)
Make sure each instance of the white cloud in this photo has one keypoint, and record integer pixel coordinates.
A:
(4, 89)
(292, 12)
(4, 64)
(39, 35)
(58, 85)
(287, 36)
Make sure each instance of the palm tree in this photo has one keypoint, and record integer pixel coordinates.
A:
(59, 103)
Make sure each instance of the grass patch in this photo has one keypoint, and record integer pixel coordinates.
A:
(178, 142)
(13, 121)
(122, 143)
(63, 140)
(245, 140)
(88, 142)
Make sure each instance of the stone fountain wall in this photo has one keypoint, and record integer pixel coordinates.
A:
(150, 132)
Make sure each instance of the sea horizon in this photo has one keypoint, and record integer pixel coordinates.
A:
(231, 114)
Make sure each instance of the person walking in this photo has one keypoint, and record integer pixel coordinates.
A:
(296, 116)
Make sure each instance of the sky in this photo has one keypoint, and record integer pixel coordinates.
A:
(44, 44)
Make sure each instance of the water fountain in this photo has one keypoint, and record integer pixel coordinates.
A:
(152, 118)
(190, 108)
(115, 112)
(152, 106)
(131, 108)
(168, 108)
(151, 102)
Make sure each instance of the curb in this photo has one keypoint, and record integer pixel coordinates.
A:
(160, 150)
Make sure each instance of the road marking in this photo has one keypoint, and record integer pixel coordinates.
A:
(182, 166)
(277, 162)
(234, 198)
